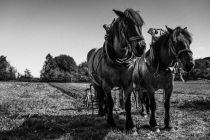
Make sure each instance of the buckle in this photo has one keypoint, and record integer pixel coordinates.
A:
(156, 74)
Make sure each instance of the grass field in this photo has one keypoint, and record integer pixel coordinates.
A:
(56, 111)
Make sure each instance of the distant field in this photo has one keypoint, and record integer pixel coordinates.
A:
(57, 111)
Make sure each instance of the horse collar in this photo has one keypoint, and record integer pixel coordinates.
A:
(109, 52)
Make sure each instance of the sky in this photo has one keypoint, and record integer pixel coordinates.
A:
(30, 29)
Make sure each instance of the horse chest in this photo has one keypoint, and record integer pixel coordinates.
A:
(163, 81)
(116, 76)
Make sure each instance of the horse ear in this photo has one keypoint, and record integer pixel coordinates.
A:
(169, 29)
(185, 28)
(119, 13)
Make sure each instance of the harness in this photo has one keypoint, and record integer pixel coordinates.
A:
(109, 51)
(109, 54)
(111, 57)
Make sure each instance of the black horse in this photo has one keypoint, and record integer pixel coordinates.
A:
(152, 71)
(112, 65)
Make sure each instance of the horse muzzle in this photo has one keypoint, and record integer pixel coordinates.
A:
(189, 66)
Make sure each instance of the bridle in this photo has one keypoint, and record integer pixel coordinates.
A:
(128, 43)
(176, 54)
(131, 39)
(173, 54)
(127, 40)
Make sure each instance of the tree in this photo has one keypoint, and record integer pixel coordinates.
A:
(47, 73)
(27, 74)
(7, 72)
(83, 75)
(3, 68)
(12, 73)
(62, 68)
(66, 63)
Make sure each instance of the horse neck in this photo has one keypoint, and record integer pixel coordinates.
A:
(116, 44)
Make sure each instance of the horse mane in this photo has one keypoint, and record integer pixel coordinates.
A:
(178, 30)
(117, 24)
(134, 16)
(152, 52)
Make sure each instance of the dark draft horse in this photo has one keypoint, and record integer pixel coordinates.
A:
(152, 71)
(112, 65)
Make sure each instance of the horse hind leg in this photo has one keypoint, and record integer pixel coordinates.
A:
(140, 101)
(146, 98)
(121, 99)
(142, 98)
(145, 101)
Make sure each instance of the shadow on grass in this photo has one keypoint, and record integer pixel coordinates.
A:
(68, 92)
(80, 127)
(196, 105)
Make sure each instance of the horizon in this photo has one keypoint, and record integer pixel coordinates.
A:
(30, 29)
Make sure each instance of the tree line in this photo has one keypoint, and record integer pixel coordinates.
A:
(200, 71)
(63, 68)
(8, 72)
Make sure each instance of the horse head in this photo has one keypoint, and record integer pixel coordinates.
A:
(180, 46)
(127, 33)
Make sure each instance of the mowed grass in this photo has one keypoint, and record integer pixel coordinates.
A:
(57, 111)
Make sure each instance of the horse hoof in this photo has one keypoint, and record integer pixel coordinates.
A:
(156, 129)
(145, 116)
(101, 114)
(169, 128)
(111, 124)
(135, 133)
(132, 131)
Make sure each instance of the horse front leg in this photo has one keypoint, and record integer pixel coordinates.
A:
(152, 122)
(109, 104)
(167, 97)
(129, 122)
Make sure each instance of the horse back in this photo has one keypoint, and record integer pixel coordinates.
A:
(93, 61)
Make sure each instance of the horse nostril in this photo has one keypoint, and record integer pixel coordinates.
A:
(189, 66)
(144, 44)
